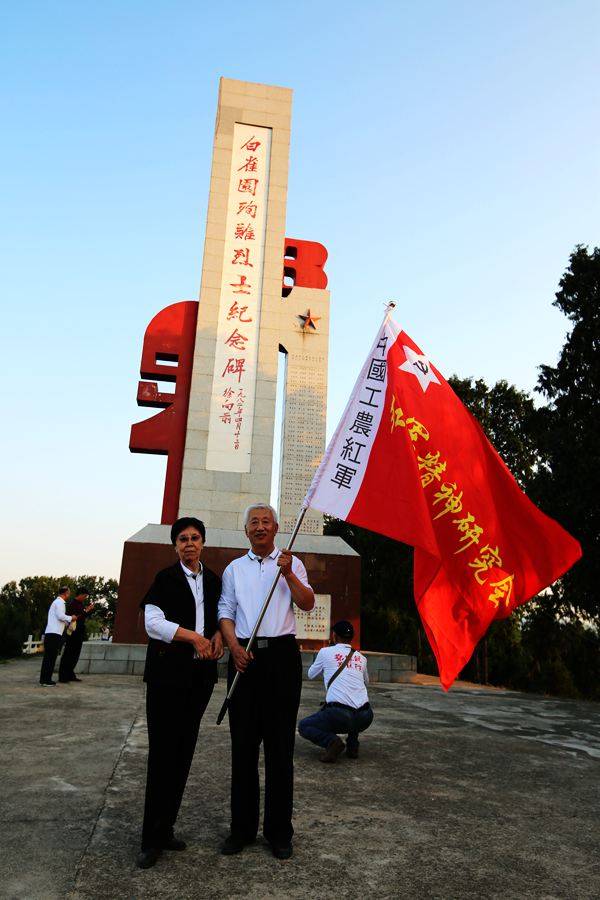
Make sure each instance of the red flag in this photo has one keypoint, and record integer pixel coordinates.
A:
(409, 461)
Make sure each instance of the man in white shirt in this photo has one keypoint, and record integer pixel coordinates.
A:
(53, 636)
(265, 703)
(347, 709)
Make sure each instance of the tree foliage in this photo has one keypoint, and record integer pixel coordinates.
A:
(24, 605)
(569, 483)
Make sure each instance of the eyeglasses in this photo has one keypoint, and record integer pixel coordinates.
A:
(185, 539)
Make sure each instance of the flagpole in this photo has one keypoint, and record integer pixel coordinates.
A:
(261, 615)
(389, 307)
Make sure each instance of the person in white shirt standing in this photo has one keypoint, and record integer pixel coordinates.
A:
(53, 636)
(347, 709)
(265, 703)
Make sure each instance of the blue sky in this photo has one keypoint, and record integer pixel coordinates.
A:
(445, 153)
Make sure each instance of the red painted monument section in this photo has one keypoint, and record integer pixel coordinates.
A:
(303, 263)
(168, 355)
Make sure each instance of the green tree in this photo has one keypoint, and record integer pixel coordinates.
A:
(569, 483)
(14, 621)
(36, 593)
(24, 606)
(563, 657)
(104, 592)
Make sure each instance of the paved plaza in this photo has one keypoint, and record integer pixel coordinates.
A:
(475, 793)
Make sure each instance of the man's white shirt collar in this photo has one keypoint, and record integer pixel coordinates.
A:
(273, 555)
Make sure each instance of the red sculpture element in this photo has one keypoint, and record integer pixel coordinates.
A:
(303, 263)
(169, 338)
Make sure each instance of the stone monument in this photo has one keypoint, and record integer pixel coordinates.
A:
(263, 298)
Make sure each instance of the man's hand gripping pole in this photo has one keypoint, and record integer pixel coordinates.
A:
(261, 616)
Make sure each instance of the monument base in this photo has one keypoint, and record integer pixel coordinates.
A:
(333, 572)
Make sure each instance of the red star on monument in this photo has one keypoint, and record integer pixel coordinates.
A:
(309, 321)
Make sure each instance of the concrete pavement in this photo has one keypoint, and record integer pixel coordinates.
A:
(475, 793)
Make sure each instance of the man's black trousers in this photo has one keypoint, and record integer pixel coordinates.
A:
(264, 708)
(52, 645)
(173, 715)
(70, 656)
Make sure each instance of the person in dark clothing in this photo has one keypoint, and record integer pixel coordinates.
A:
(74, 639)
(180, 612)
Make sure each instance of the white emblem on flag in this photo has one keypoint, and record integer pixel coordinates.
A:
(419, 366)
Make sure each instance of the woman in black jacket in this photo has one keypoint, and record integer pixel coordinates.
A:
(180, 611)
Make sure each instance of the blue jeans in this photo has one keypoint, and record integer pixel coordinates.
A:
(324, 726)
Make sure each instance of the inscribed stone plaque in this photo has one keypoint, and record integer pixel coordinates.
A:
(235, 368)
(316, 624)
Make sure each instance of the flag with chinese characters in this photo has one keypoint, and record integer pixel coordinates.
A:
(409, 461)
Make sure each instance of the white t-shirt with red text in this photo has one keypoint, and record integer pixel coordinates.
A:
(349, 687)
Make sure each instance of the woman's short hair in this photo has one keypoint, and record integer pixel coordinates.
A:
(187, 522)
(260, 506)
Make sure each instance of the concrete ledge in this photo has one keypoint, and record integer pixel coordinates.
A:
(129, 659)
(94, 649)
(109, 667)
(117, 652)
